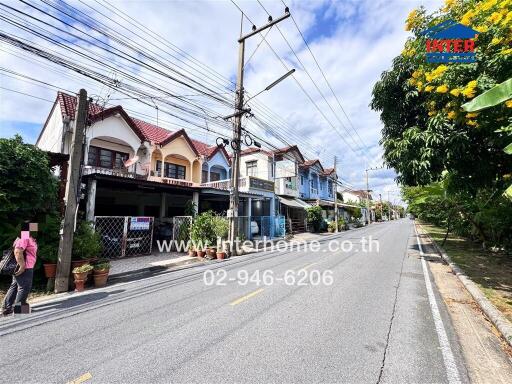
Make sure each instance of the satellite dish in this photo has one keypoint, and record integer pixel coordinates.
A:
(131, 161)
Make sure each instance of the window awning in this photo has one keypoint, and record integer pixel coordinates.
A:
(294, 203)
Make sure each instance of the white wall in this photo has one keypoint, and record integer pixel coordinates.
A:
(264, 165)
(51, 137)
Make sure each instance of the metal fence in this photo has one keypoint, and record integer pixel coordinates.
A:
(260, 227)
(125, 235)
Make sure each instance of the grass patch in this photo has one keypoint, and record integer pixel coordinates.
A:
(492, 271)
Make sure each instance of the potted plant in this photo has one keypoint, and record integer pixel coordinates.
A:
(191, 251)
(221, 254)
(80, 275)
(201, 232)
(100, 273)
(48, 255)
(48, 243)
(86, 245)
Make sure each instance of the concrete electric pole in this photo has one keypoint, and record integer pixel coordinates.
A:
(72, 192)
(335, 188)
(236, 143)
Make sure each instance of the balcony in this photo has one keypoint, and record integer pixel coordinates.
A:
(171, 181)
(286, 188)
(245, 184)
(117, 172)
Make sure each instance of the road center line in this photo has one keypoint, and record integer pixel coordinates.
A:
(246, 297)
(449, 361)
(307, 266)
(81, 379)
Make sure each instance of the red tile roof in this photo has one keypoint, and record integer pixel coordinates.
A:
(147, 131)
(250, 150)
(310, 163)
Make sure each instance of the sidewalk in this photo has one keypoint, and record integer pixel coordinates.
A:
(129, 267)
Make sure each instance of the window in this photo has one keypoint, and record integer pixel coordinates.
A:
(214, 176)
(204, 176)
(171, 170)
(301, 180)
(106, 158)
(251, 168)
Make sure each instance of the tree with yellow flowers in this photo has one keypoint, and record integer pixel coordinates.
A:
(427, 136)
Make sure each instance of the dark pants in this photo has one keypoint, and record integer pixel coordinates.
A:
(19, 289)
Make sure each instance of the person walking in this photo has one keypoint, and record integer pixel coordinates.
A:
(25, 252)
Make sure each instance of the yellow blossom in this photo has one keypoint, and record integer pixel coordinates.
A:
(431, 113)
(468, 16)
(488, 5)
(469, 92)
(471, 115)
(448, 4)
(495, 18)
(411, 20)
(416, 74)
(505, 3)
(442, 89)
(471, 122)
(455, 92)
(496, 40)
(507, 18)
(506, 52)
(419, 86)
(429, 88)
(452, 115)
(412, 81)
(508, 103)
(482, 28)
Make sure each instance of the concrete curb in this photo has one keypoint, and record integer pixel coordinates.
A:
(503, 325)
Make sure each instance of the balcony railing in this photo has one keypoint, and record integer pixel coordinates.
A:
(118, 172)
(171, 181)
(284, 187)
(245, 184)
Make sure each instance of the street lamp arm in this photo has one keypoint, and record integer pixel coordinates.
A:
(272, 85)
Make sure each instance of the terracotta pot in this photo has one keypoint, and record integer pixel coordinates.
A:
(81, 275)
(192, 253)
(100, 279)
(78, 263)
(221, 255)
(201, 253)
(100, 271)
(212, 251)
(79, 285)
(50, 270)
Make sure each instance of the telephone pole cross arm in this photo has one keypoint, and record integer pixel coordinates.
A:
(236, 143)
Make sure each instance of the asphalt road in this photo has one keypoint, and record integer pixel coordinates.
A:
(374, 323)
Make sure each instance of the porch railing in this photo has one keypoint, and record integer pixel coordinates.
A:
(118, 172)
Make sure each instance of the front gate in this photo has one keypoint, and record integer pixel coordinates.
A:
(125, 235)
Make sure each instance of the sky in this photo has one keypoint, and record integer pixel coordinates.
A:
(353, 41)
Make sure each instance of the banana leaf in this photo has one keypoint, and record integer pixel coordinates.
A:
(494, 96)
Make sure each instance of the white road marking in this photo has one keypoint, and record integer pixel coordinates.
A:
(449, 361)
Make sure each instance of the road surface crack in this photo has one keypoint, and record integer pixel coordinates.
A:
(391, 320)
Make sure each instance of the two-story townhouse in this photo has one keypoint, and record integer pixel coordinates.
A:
(135, 168)
(287, 182)
(317, 186)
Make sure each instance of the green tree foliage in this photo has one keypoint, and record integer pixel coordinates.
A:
(314, 217)
(28, 189)
(425, 129)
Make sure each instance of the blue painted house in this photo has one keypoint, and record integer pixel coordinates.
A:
(316, 186)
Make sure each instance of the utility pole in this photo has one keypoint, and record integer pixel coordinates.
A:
(236, 143)
(389, 208)
(381, 210)
(335, 187)
(368, 198)
(72, 188)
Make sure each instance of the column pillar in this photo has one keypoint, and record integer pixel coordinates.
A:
(163, 205)
(195, 200)
(91, 200)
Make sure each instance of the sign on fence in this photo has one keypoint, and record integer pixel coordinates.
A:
(125, 235)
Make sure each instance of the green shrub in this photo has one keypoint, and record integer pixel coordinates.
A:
(202, 229)
(86, 242)
(314, 216)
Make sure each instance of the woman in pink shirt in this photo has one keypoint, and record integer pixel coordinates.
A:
(25, 251)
